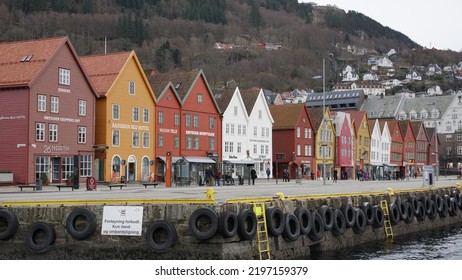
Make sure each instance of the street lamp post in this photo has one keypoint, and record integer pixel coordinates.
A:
(323, 136)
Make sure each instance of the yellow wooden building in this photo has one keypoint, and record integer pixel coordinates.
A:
(363, 140)
(325, 141)
(125, 118)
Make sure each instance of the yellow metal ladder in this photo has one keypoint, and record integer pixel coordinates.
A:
(387, 222)
(262, 232)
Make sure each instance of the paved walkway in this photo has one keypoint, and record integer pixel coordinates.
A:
(261, 188)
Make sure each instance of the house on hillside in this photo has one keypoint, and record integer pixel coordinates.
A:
(349, 74)
(413, 75)
(433, 69)
(47, 112)
(125, 114)
(384, 62)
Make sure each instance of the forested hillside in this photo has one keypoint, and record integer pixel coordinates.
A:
(170, 35)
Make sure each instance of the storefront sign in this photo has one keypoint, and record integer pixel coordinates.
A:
(201, 133)
(55, 149)
(130, 126)
(61, 119)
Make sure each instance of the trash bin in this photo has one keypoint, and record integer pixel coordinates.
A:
(38, 184)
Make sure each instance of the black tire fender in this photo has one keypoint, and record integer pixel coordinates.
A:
(339, 225)
(9, 219)
(161, 236)
(393, 213)
(291, 227)
(368, 212)
(317, 227)
(201, 229)
(421, 212)
(432, 210)
(327, 216)
(414, 202)
(444, 212)
(410, 213)
(403, 213)
(454, 209)
(274, 220)
(349, 214)
(304, 219)
(379, 218)
(44, 230)
(360, 224)
(438, 202)
(247, 224)
(77, 218)
(227, 224)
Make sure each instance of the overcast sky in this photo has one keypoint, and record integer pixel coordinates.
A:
(431, 24)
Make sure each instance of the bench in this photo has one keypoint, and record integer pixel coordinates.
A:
(27, 186)
(65, 186)
(150, 184)
(121, 185)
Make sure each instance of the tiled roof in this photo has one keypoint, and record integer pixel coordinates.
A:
(286, 116)
(316, 116)
(249, 96)
(223, 97)
(182, 81)
(428, 103)
(21, 62)
(104, 69)
(383, 107)
(357, 116)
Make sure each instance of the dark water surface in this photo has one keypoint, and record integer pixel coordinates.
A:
(440, 244)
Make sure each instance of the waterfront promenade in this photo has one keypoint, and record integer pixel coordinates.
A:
(261, 188)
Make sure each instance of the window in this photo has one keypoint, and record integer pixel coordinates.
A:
(262, 149)
(255, 149)
(196, 142)
(146, 138)
(135, 139)
(254, 131)
(188, 120)
(42, 103)
(239, 129)
(227, 128)
(235, 110)
(54, 104)
(199, 98)
(40, 131)
(53, 133)
(244, 130)
(115, 112)
(196, 121)
(260, 114)
(266, 149)
(131, 87)
(459, 125)
(211, 143)
(135, 114)
(64, 76)
(267, 131)
(82, 135)
(448, 138)
(232, 129)
(160, 117)
(177, 142)
(188, 142)
(299, 150)
(145, 115)
(68, 167)
(116, 166)
(459, 150)
(211, 122)
(448, 126)
(86, 165)
(176, 118)
(239, 147)
(42, 166)
(298, 132)
(448, 150)
(160, 140)
(262, 132)
(459, 137)
(82, 108)
(115, 138)
(227, 144)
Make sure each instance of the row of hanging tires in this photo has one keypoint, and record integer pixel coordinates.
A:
(205, 223)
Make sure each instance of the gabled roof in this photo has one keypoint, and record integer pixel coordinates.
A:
(21, 62)
(383, 107)
(428, 103)
(316, 117)
(249, 96)
(286, 116)
(223, 97)
(104, 69)
(357, 117)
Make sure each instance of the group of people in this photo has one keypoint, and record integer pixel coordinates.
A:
(213, 177)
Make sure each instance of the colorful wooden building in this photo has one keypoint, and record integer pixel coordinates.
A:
(363, 141)
(47, 111)
(344, 149)
(125, 114)
(293, 137)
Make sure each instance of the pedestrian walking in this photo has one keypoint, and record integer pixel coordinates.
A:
(268, 172)
(253, 174)
(335, 175)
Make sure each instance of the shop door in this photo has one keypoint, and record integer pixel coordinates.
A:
(56, 167)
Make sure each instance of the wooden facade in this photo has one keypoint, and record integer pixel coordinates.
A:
(47, 106)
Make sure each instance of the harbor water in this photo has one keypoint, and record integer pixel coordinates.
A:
(438, 244)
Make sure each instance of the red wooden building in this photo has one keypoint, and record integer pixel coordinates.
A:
(188, 125)
(344, 159)
(293, 136)
(409, 146)
(47, 111)
(396, 152)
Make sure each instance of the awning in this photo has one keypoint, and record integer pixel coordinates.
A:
(391, 164)
(199, 159)
(174, 159)
(239, 161)
(375, 164)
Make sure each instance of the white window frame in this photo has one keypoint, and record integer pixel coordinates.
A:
(41, 103)
(116, 138)
(82, 107)
(135, 139)
(64, 76)
(146, 139)
(160, 117)
(131, 87)
(54, 104)
(86, 165)
(135, 114)
(52, 132)
(82, 135)
(146, 115)
(40, 132)
(115, 111)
